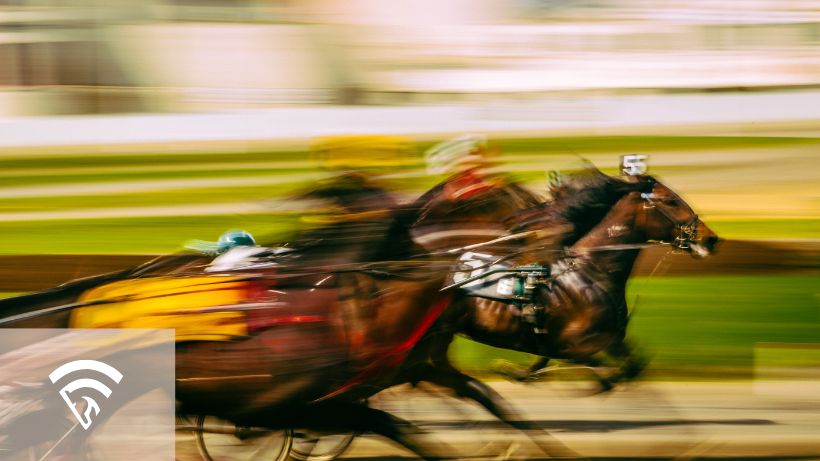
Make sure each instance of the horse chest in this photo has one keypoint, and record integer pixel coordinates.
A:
(494, 315)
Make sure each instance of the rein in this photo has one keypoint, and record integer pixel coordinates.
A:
(527, 270)
(687, 231)
(370, 268)
(687, 234)
(394, 357)
(506, 238)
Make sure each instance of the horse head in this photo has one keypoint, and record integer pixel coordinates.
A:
(668, 218)
(579, 202)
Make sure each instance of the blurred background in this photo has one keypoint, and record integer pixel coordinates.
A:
(130, 127)
(91, 57)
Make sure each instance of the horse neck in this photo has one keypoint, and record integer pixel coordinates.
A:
(619, 227)
(585, 217)
(442, 222)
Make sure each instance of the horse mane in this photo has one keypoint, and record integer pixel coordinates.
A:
(581, 200)
(584, 191)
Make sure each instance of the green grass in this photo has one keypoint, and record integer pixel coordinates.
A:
(779, 360)
(193, 196)
(767, 228)
(596, 144)
(542, 146)
(164, 234)
(717, 321)
(101, 158)
(716, 327)
(184, 166)
(707, 326)
(693, 326)
(133, 235)
(125, 175)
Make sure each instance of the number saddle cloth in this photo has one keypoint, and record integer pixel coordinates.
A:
(478, 267)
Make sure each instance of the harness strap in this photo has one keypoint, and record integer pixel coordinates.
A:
(396, 355)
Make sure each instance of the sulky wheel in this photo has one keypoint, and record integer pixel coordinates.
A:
(219, 440)
(314, 446)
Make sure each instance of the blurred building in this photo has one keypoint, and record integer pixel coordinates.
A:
(98, 56)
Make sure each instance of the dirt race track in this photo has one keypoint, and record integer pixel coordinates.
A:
(729, 420)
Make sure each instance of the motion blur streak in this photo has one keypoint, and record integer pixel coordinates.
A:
(167, 55)
(216, 138)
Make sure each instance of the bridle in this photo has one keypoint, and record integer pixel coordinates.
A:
(528, 278)
(686, 232)
(685, 235)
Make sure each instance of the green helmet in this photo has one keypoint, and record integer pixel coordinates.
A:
(232, 239)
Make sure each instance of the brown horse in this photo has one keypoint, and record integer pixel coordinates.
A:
(442, 219)
(468, 209)
(579, 203)
(303, 363)
(324, 331)
(305, 389)
(583, 295)
(384, 314)
(361, 325)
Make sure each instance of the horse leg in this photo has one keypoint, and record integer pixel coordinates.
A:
(466, 386)
(361, 418)
(539, 365)
(632, 363)
(531, 373)
(593, 364)
(516, 373)
(629, 365)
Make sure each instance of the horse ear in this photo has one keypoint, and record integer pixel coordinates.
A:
(555, 179)
(646, 183)
(638, 183)
(589, 168)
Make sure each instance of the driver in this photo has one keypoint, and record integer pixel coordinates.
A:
(468, 159)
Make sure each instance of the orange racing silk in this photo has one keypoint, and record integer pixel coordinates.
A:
(467, 185)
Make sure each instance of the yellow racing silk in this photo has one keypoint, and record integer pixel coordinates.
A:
(191, 305)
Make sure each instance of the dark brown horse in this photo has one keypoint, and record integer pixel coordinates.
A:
(309, 359)
(579, 202)
(324, 331)
(583, 294)
(383, 316)
(386, 327)
(469, 209)
(327, 338)
(445, 218)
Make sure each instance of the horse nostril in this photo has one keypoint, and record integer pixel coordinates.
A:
(710, 242)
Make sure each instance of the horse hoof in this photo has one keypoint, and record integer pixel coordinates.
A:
(606, 386)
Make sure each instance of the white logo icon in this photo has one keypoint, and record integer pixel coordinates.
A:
(85, 419)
